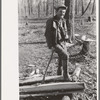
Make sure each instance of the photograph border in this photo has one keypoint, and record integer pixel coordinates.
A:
(9, 50)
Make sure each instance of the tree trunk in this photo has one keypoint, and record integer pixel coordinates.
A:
(28, 6)
(53, 7)
(47, 8)
(70, 16)
(76, 9)
(82, 7)
(39, 10)
(67, 2)
(44, 6)
(93, 7)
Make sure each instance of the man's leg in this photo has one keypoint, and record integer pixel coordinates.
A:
(59, 71)
(65, 70)
(64, 56)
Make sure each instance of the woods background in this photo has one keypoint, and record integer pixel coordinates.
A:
(33, 51)
(33, 9)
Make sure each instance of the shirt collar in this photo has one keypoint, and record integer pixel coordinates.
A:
(55, 19)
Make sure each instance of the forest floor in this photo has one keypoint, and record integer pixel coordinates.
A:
(34, 54)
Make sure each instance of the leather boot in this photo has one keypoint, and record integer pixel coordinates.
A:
(59, 71)
(65, 71)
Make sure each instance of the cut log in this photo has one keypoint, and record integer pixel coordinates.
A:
(39, 80)
(33, 96)
(27, 96)
(66, 98)
(52, 89)
(76, 73)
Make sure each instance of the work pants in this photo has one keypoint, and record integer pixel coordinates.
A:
(61, 50)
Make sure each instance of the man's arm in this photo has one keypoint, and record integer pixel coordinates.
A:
(48, 33)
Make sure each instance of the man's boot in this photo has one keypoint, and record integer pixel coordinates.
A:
(59, 71)
(65, 71)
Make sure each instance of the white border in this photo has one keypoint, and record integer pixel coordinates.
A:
(97, 40)
(9, 70)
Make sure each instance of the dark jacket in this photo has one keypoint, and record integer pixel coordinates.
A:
(52, 32)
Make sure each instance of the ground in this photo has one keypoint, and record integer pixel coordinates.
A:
(33, 50)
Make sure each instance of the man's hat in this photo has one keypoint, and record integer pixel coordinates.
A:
(61, 6)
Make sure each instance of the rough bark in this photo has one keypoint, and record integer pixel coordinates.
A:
(82, 7)
(93, 8)
(71, 19)
(76, 9)
(40, 79)
(47, 8)
(67, 87)
(39, 10)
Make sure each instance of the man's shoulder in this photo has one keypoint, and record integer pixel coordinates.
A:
(50, 19)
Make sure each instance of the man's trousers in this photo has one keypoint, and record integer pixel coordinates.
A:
(63, 60)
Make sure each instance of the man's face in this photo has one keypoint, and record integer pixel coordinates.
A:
(61, 12)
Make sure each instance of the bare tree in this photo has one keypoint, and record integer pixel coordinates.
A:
(44, 9)
(39, 10)
(47, 8)
(82, 7)
(70, 16)
(28, 6)
(86, 8)
(93, 8)
(76, 7)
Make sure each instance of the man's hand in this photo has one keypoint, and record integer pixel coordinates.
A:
(69, 44)
(66, 37)
(52, 48)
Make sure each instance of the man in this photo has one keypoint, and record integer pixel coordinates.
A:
(56, 36)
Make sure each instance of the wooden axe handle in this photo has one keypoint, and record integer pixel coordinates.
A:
(47, 66)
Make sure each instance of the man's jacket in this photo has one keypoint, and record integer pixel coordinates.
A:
(52, 32)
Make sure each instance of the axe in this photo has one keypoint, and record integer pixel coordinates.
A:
(47, 66)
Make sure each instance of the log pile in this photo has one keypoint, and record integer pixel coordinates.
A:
(51, 89)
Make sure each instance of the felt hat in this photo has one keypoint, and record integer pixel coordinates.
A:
(61, 6)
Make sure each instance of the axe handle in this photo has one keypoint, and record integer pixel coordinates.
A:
(47, 66)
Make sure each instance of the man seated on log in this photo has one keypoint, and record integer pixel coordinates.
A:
(56, 36)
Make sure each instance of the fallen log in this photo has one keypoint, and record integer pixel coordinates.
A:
(45, 96)
(27, 96)
(51, 89)
(76, 73)
(36, 80)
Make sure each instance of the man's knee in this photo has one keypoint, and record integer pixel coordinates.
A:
(65, 56)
